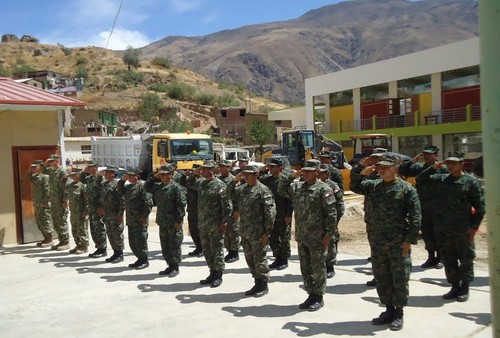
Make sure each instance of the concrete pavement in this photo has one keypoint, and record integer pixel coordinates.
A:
(45, 293)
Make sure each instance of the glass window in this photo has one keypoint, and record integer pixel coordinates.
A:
(343, 98)
(413, 145)
(414, 86)
(375, 93)
(460, 78)
(86, 149)
(469, 143)
(308, 139)
(191, 148)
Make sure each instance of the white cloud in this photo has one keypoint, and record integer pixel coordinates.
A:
(182, 6)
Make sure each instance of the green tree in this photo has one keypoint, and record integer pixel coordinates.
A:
(82, 72)
(260, 132)
(175, 125)
(21, 68)
(131, 57)
(150, 105)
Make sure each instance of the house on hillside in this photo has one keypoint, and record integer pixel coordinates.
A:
(234, 122)
(31, 127)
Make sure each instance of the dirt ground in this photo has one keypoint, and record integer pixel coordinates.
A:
(354, 242)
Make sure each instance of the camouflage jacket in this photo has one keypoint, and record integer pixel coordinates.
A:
(191, 195)
(339, 198)
(314, 209)
(336, 176)
(394, 213)
(92, 190)
(425, 189)
(138, 203)
(170, 201)
(214, 204)
(284, 205)
(40, 189)
(57, 184)
(459, 201)
(112, 200)
(257, 209)
(74, 194)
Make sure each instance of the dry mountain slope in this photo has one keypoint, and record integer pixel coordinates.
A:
(273, 59)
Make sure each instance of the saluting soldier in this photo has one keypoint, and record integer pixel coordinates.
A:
(192, 210)
(74, 197)
(41, 202)
(325, 157)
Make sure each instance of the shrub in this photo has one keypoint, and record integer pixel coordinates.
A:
(81, 60)
(227, 100)
(82, 72)
(67, 51)
(129, 76)
(150, 105)
(162, 62)
(206, 99)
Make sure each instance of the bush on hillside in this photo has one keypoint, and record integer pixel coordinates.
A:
(162, 62)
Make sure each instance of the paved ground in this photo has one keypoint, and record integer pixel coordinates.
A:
(53, 294)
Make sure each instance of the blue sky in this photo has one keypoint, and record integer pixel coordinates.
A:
(140, 22)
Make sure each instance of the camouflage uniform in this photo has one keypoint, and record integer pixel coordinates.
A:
(257, 210)
(113, 205)
(394, 214)
(214, 208)
(57, 183)
(314, 219)
(138, 204)
(331, 258)
(41, 203)
(281, 231)
(336, 176)
(232, 239)
(455, 198)
(93, 197)
(171, 207)
(74, 194)
(192, 210)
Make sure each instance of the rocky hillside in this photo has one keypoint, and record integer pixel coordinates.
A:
(273, 59)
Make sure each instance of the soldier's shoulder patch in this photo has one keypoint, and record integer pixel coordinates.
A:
(327, 194)
(336, 190)
(221, 190)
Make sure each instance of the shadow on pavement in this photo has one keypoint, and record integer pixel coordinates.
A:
(478, 281)
(22, 249)
(353, 328)
(478, 318)
(214, 298)
(353, 261)
(426, 301)
(110, 269)
(269, 310)
(236, 270)
(287, 278)
(347, 289)
(366, 270)
(131, 278)
(192, 263)
(179, 287)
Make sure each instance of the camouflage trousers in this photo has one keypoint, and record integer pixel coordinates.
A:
(312, 266)
(232, 239)
(212, 243)
(194, 230)
(138, 240)
(256, 258)
(333, 250)
(457, 254)
(391, 271)
(114, 230)
(280, 238)
(60, 221)
(79, 229)
(427, 230)
(171, 240)
(43, 221)
(97, 229)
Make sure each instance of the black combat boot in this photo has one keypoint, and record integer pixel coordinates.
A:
(98, 253)
(431, 260)
(174, 270)
(232, 256)
(453, 293)
(316, 303)
(209, 279)
(167, 271)
(330, 271)
(135, 264)
(275, 264)
(283, 264)
(262, 288)
(116, 258)
(397, 323)
(463, 292)
(439, 264)
(196, 252)
(372, 282)
(385, 317)
(217, 281)
(142, 264)
(307, 302)
(251, 292)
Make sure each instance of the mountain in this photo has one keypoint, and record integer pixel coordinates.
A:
(273, 59)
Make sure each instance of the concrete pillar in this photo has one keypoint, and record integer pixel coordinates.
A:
(61, 113)
(436, 92)
(393, 89)
(356, 103)
(328, 127)
(309, 100)
(489, 16)
(437, 140)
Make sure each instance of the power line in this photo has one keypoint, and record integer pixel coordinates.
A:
(114, 22)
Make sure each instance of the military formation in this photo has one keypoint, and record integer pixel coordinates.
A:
(231, 205)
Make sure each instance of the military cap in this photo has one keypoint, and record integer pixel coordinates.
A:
(92, 164)
(244, 159)
(74, 171)
(324, 167)
(226, 163)
(36, 162)
(377, 152)
(430, 149)
(456, 156)
(166, 169)
(196, 166)
(209, 164)
(274, 161)
(53, 157)
(133, 171)
(312, 165)
(111, 168)
(325, 154)
(389, 160)
(250, 169)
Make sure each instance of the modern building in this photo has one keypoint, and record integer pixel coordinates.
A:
(31, 127)
(432, 96)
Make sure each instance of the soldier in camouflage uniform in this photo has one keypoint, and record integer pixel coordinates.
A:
(335, 174)
(459, 211)
(315, 223)
(93, 183)
(74, 196)
(111, 208)
(214, 210)
(254, 204)
(427, 197)
(138, 204)
(232, 239)
(331, 258)
(170, 200)
(242, 163)
(192, 210)
(281, 231)
(395, 217)
(41, 202)
(57, 183)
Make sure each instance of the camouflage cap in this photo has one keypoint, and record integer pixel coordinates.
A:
(226, 163)
(244, 159)
(91, 164)
(456, 156)
(324, 168)
(209, 164)
(274, 161)
(430, 149)
(36, 162)
(388, 160)
(250, 169)
(111, 168)
(133, 171)
(311, 165)
(166, 169)
(54, 157)
(74, 171)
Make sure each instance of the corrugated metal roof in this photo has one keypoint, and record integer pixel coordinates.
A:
(12, 92)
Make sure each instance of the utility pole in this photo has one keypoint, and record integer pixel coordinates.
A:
(489, 17)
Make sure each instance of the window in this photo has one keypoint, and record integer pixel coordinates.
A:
(413, 145)
(191, 148)
(223, 113)
(414, 86)
(243, 112)
(470, 143)
(86, 149)
(343, 98)
(459, 78)
(375, 93)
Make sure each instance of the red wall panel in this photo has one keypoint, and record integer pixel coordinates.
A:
(378, 108)
(460, 97)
